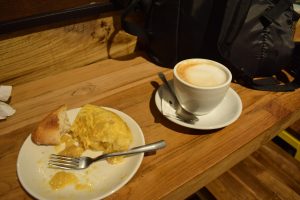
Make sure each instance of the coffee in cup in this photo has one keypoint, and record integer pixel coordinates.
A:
(200, 84)
(203, 74)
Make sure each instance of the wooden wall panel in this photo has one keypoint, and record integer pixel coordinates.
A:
(11, 10)
(31, 56)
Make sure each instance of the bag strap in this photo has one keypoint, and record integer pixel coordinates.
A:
(288, 87)
(271, 84)
(270, 15)
(234, 17)
(238, 19)
(133, 28)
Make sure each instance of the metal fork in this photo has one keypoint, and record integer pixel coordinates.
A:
(65, 162)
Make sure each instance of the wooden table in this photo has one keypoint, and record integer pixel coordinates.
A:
(191, 159)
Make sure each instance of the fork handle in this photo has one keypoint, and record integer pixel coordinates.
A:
(139, 149)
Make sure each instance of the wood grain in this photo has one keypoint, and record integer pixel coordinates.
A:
(191, 159)
(297, 30)
(296, 128)
(39, 54)
(11, 10)
(269, 173)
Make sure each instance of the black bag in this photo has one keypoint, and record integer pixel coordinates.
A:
(173, 30)
(252, 37)
(257, 41)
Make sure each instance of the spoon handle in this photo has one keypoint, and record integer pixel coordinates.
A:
(180, 111)
(163, 78)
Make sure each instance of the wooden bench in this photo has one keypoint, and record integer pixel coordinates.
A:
(56, 48)
(269, 173)
(291, 137)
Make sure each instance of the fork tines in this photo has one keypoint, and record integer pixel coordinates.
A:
(63, 162)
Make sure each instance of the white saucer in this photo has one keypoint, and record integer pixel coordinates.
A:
(224, 114)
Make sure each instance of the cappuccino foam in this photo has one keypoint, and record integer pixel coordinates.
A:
(202, 74)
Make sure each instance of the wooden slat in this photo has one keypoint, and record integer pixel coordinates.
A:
(296, 128)
(40, 54)
(11, 10)
(269, 173)
(56, 90)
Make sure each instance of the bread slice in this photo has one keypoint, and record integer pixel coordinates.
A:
(51, 127)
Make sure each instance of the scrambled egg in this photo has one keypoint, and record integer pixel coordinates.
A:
(99, 129)
(63, 179)
(71, 146)
(94, 128)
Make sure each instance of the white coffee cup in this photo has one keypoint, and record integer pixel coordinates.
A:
(200, 84)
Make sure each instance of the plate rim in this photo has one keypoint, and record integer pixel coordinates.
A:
(106, 194)
(230, 91)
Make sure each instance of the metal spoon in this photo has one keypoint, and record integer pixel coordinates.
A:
(180, 111)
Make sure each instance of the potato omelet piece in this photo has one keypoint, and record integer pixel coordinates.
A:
(97, 128)
(72, 148)
(62, 179)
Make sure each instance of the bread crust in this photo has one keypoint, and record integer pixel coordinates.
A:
(48, 130)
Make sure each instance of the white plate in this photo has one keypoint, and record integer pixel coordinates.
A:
(224, 114)
(105, 178)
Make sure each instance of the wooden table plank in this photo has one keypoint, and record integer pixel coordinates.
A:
(34, 100)
(191, 159)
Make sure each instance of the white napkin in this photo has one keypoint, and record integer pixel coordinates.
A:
(5, 92)
(168, 104)
(5, 109)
